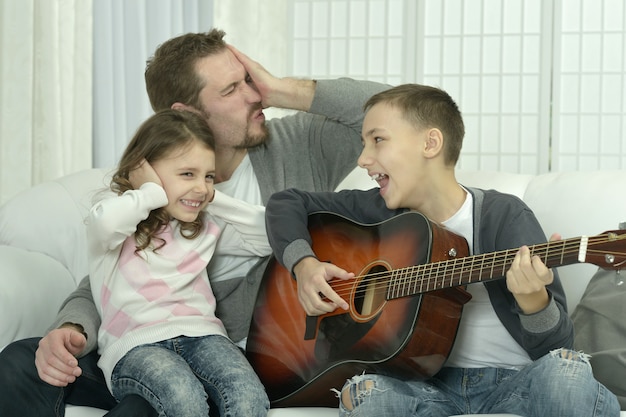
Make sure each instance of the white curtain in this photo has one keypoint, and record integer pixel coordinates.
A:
(45, 88)
(261, 32)
(126, 33)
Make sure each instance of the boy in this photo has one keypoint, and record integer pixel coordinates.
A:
(512, 349)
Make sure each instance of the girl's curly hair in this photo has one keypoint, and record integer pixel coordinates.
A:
(164, 132)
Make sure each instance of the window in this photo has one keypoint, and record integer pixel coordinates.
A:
(540, 83)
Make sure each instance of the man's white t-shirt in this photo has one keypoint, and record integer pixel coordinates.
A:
(242, 185)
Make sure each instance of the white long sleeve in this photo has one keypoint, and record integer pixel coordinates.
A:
(243, 228)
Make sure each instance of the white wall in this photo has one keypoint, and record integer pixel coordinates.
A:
(541, 83)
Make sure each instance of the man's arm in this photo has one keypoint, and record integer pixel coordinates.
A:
(343, 100)
(80, 309)
(307, 95)
(73, 334)
(330, 133)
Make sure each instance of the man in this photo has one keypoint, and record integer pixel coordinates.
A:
(312, 150)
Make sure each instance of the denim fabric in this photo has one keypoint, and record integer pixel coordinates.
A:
(560, 384)
(179, 375)
(24, 394)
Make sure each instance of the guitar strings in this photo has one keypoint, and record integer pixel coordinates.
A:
(422, 278)
(435, 269)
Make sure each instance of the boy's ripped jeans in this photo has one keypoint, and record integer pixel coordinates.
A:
(560, 383)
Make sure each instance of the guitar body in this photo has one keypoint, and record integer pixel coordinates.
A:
(300, 359)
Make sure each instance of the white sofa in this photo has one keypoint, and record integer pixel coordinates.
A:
(43, 255)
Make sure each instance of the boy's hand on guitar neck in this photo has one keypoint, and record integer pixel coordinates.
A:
(314, 292)
(527, 280)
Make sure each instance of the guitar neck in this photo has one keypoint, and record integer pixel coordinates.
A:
(424, 278)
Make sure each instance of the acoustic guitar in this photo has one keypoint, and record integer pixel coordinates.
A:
(405, 303)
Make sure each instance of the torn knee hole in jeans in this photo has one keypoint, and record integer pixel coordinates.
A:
(356, 390)
(571, 355)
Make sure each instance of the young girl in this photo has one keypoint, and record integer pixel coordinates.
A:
(150, 240)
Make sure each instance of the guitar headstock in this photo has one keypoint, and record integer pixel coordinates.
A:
(607, 250)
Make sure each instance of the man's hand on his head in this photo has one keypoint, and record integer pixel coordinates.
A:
(286, 93)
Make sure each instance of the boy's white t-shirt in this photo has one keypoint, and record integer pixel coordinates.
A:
(481, 340)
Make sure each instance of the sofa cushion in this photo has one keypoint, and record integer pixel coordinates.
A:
(578, 204)
(29, 279)
(74, 411)
(505, 182)
(51, 219)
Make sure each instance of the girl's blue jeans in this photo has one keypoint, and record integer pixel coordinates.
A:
(560, 384)
(187, 376)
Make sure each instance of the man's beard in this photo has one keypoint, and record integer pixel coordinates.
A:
(249, 141)
(252, 141)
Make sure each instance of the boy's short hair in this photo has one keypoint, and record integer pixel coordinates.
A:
(427, 107)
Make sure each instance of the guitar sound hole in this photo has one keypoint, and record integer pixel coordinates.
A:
(371, 291)
(338, 333)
